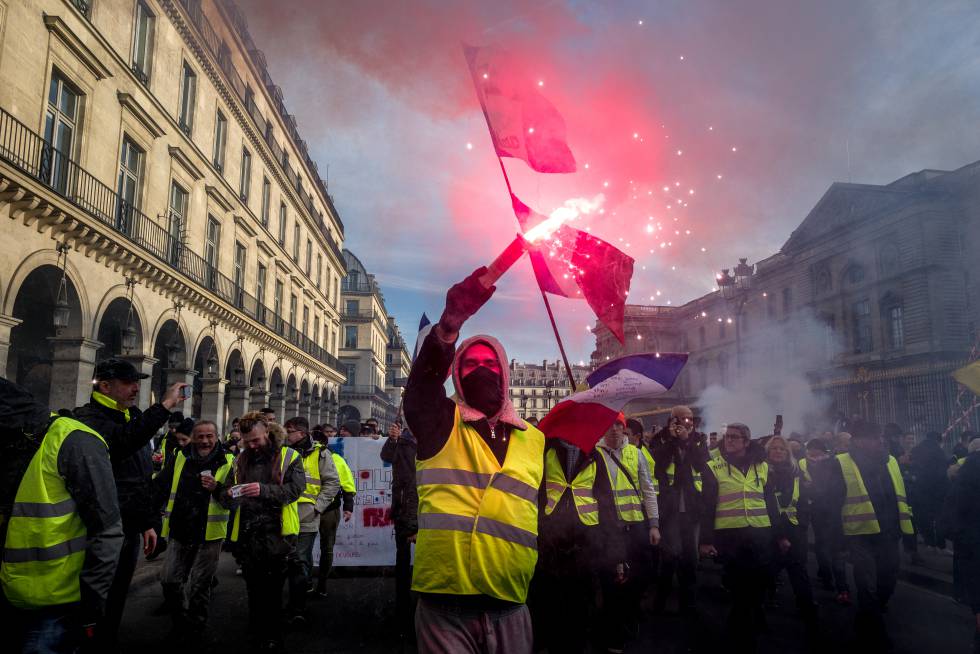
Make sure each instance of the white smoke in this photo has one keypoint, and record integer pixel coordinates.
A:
(773, 381)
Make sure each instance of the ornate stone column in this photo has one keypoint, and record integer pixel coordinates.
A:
(72, 368)
(6, 324)
(278, 404)
(213, 401)
(143, 364)
(259, 398)
(291, 410)
(238, 400)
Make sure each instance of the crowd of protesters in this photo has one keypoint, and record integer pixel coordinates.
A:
(516, 537)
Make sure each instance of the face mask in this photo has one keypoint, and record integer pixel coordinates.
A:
(482, 391)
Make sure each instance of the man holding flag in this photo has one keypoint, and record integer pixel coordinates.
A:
(478, 472)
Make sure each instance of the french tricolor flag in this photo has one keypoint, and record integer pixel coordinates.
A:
(582, 418)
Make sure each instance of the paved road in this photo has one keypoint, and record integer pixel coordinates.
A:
(358, 617)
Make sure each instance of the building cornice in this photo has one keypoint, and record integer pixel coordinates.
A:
(178, 155)
(262, 245)
(60, 29)
(128, 102)
(219, 199)
(243, 225)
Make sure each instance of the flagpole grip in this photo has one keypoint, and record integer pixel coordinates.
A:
(504, 261)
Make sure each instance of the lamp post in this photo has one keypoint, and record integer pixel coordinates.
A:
(735, 289)
(62, 310)
(129, 337)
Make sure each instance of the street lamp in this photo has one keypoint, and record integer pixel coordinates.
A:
(735, 288)
(62, 310)
(129, 336)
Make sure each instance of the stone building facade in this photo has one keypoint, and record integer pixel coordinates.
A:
(365, 326)
(874, 296)
(159, 204)
(536, 388)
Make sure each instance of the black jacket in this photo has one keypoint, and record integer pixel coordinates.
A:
(132, 457)
(688, 457)
(878, 481)
(963, 505)
(189, 518)
(400, 454)
(260, 518)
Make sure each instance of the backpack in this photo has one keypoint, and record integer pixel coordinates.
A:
(23, 424)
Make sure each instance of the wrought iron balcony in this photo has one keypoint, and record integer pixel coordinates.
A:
(26, 151)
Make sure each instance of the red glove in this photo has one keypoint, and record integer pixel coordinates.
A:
(463, 300)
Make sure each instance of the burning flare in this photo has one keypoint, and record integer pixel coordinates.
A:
(571, 210)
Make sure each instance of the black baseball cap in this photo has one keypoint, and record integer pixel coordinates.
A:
(117, 369)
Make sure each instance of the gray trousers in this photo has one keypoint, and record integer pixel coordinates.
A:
(441, 629)
(187, 573)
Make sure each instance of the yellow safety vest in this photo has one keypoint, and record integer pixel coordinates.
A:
(290, 512)
(789, 510)
(46, 538)
(741, 499)
(217, 527)
(858, 514)
(478, 520)
(804, 467)
(651, 465)
(629, 505)
(343, 471)
(555, 486)
(311, 464)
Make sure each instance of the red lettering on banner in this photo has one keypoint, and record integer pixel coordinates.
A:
(377, 517)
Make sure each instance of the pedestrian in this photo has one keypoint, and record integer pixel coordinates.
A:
(196, 525)
(961, 449)
(329, 431)
(910, 542)
(575, 508)
(268, 413)
(843, 442)
(268, 479)
(112, 412)
(165, 442)
(784, 476)
(740, 507)
(64, 533)
(322, 485)
(929, 464)
(639, 529)
(634, 433)
(964, 510)
(823, 519)
(372, 425)
(868, 491)
(681, 461)
(342, 502)
(400, 450)
(479, 470)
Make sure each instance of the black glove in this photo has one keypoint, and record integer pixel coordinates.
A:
(463, 300)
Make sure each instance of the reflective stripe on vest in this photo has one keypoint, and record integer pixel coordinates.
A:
(651, 466)
(478, 520)
(805, 468)
(46, 538)
(741, 500)
(858, 513)
(628, 502)
(789, 510)
(555, 486)
(695, 476)
(217, 527)
(343, 471)
(290, 512)
(311, 464)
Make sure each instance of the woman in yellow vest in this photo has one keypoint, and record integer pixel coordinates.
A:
(267, 481)
(478, 472)
(868, 492)
(784, 475)
(736, 526)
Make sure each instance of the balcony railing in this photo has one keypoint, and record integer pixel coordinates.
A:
(365, 389)
(26, 151)
(357, 315)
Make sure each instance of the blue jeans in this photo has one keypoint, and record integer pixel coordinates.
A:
(48, 631)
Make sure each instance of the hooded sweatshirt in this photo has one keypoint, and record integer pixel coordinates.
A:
(430, 414)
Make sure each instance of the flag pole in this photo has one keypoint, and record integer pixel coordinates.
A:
(510, 191)
(544, 296)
